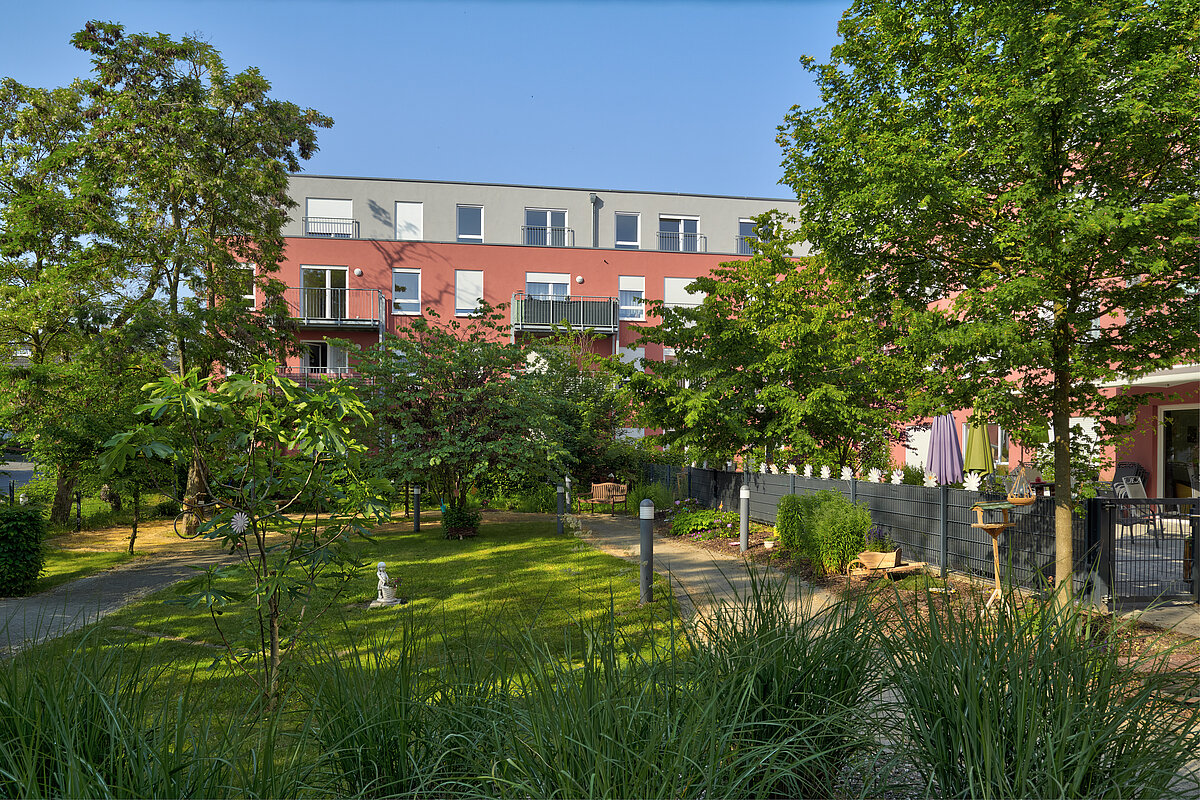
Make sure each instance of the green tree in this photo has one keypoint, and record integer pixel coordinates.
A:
(288, 489)
(453, 403)
(1030, 170)
(135, 199)
(780, 355)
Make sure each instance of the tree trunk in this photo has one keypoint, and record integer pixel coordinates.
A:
(194, 495)
(60, 510)
(1064, 560)
(276, 656)
(137, 502)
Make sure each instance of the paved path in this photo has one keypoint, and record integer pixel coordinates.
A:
(29, 620)
(702, 579)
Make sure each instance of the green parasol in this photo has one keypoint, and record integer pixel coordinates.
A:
(978, 456)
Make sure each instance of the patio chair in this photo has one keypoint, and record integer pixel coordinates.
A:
(1129, 514)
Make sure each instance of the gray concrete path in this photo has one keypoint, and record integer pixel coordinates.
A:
(28, 620)
(702, 579)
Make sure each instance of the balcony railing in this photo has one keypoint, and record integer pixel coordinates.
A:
(336, 308)
(331, 227)
(535, 312)
(745, 245)
(542, 236)
(675, 242)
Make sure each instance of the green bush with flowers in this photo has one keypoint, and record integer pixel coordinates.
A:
(704, 524)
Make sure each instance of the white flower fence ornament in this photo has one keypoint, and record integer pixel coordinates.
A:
(808, 470)
(972, 481)
(847, 474)
(897, 476)
(791, 469)
(825, 473)
(930, 480)
(875, 475)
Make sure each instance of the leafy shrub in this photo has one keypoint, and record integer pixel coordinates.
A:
(21, 559)
(841, 529)
(654, 492)
(709, 524)
(40, 490)
(460, 519)
(913, 475)
(796, 523)
(166, 508)
(789, 522)
(878, 540)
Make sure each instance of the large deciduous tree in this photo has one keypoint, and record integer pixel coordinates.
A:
(453, 403)
(780, 357)
(135, 201)
(1018, 182)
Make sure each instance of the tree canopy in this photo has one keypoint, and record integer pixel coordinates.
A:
(780, 360)
(1016, 184)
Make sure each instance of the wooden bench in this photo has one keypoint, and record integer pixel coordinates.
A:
(606, 494)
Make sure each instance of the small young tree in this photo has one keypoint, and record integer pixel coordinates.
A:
(288, 493)
(453, 403)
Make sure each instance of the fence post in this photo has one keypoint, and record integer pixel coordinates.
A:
(853, 491)
(1195, 516)
(944, 528)
(1101, 549)
(793, 477)
(416, 509)
(646, 513)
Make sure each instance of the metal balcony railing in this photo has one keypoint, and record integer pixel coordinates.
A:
(535, 312)
(675, 242)
(338, 308)
(331, 227)
(745, 245)
(542, 236)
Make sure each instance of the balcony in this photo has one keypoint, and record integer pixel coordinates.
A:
(336, 308)
(745, 245)
(676, 242)
(542, 236)
(534, 312)
(331, 227)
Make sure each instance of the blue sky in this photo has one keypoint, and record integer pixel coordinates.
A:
(661, 96)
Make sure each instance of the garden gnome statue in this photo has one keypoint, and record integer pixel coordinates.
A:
(386, 589)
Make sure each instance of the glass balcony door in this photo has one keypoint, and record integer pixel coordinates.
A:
(324, 295)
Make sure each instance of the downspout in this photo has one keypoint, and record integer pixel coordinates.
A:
(596, 203)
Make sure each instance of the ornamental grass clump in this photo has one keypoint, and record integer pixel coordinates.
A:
(1017, 704)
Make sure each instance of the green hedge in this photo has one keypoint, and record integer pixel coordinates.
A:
(21, 559)
(824, 528)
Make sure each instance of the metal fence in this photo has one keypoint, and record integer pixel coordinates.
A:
(1146, 548)
(929, 524)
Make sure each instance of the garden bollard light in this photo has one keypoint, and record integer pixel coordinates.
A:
(646, 513)
(416, 509)
(78, 511)
(744, 513)
(561, 491)
(567, 483)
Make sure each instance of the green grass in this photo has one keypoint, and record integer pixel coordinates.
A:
(64, 566)
(520, 578)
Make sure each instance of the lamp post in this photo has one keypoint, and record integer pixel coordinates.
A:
(561, 491)
(416, 509)
(646, 513)
(744, 513)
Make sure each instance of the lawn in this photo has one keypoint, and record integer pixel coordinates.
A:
(63, 566)
(514, 579)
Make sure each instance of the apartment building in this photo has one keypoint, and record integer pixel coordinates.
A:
(365, 253)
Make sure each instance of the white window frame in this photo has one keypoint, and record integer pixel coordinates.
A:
(406, 271)
(330, 299)
(420, 207)
(698, 297)
(252, 298)
(458, 234)
(553, 278)
(332, 355)
(680, 218)
(343, 204)
(461, 309)
(632, 283)
(548, 228)
(636, 244)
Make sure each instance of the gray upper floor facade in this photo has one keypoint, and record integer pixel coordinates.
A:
(444, 211)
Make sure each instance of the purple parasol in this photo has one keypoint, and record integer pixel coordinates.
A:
(945, 456)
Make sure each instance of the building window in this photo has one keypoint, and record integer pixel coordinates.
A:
(324, 358)
(633, 355)
(470, 223)
(245, 284)
(680, 234)
(410, 221)
(628, 232)
(547, 285)
(468, 291)
(675, 293)
(746, 237)
(406, 291)
(330, 218)
(546, 227)
(631, 291)
(324, 293)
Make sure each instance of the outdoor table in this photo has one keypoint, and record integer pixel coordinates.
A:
(994, 529)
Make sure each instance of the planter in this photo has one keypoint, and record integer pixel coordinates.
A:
(873, 560)
(388, 594)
